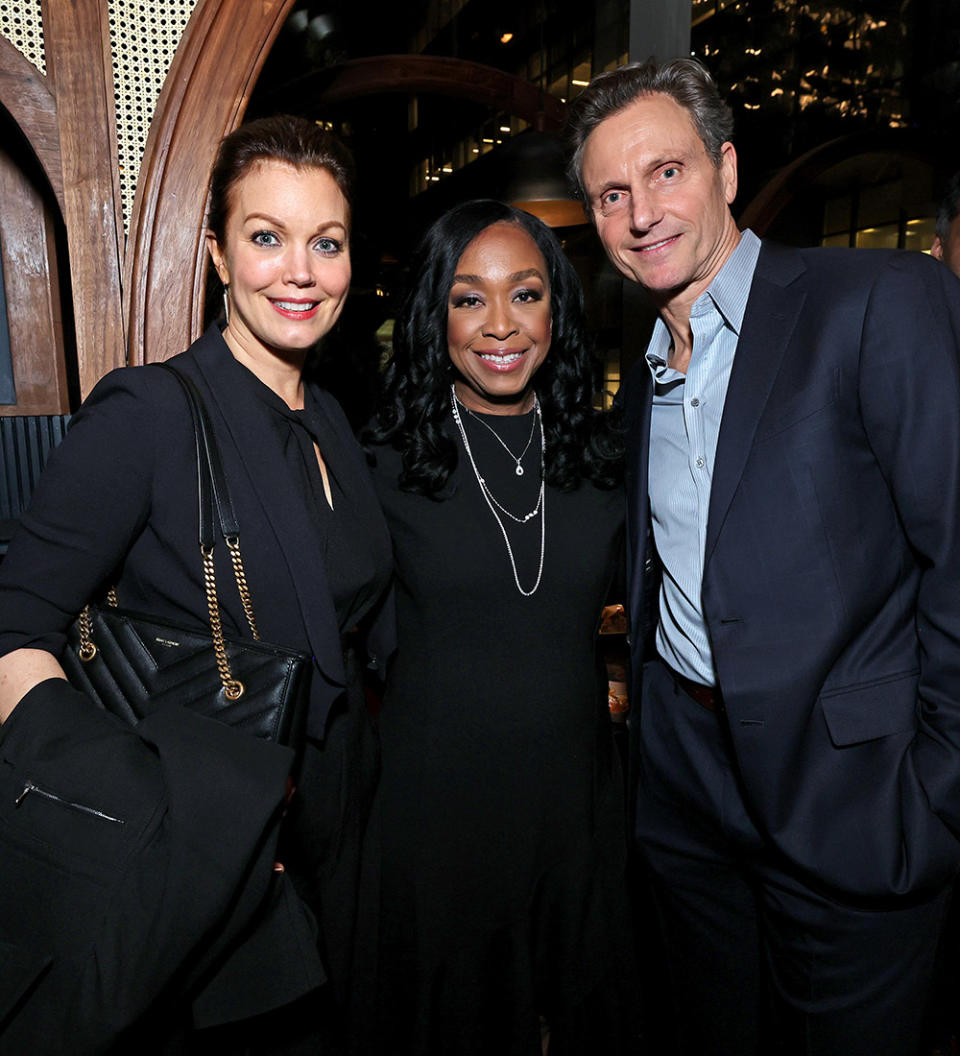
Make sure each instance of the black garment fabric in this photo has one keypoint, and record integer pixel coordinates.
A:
(329, 841)
(503, 889)
(137, 889)
(354, 555)
(117, 505)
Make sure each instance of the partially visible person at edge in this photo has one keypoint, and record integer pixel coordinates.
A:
(946, 241)
(130, 927)
(503, 899)
(793, 536)
(944, 1022)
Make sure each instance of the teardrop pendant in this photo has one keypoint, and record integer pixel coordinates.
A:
(519, 470)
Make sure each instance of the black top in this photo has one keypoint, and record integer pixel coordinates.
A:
(502, 799)
(356, 561)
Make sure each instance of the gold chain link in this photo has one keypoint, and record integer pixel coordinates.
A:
(231, 686)
(87, 650)
(233, 545)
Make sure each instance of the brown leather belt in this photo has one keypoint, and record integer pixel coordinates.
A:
(708, 697)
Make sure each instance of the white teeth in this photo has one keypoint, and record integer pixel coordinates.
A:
(656, 245)
(492, 357)
(295, 306)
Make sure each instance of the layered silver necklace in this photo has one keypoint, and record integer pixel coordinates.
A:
(516, 458)
(491, 500)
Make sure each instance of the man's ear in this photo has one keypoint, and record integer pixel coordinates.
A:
(216, 256)
(936, 249)
(728, 171)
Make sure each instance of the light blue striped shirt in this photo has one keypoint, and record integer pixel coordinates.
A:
(684, 427)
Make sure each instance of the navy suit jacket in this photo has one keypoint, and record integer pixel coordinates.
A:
(831, 588)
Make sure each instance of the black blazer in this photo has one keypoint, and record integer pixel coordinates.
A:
(832, 565)
(116, 504)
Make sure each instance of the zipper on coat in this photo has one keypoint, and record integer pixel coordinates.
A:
(29, 786)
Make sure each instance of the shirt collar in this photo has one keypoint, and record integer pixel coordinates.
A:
(727, 294)
(731, 285)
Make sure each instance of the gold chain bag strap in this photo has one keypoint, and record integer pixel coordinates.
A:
(131, 663)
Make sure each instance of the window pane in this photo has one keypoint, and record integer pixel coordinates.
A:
(882, 237)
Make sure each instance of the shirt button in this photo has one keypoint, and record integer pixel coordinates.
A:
(700, 463)
(694, 402)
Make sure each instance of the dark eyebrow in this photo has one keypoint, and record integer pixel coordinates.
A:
(517, 276)
(528, 273)
(275, 222)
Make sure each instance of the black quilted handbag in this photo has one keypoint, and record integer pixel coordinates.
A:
(131, 663)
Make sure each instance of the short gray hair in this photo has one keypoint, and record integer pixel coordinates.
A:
(686, 81)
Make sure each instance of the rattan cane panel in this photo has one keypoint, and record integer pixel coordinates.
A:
(22, 24)
(143, 39)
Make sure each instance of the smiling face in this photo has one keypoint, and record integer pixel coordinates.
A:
(285, 259)
(660, 204)
(498, 320)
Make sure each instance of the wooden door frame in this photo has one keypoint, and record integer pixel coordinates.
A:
(204, 97)
(67, 117)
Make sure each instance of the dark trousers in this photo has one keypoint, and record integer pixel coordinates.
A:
(760, 961)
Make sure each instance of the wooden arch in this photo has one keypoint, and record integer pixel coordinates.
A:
(68, 119)
(26, 96)
(204, 98)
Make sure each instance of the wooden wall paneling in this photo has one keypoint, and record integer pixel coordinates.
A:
(203, 98)
(28, 243)
(26, 95)
(77, 41)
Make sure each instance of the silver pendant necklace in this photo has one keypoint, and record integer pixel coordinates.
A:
(492, 502)
(499, 438)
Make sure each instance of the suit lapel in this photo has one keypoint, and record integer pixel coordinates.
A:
(772, 311)
(638, 407)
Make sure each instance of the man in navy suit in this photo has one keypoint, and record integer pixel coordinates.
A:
(793, 476)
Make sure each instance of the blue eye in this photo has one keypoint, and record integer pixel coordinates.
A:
(669, 173)
(265, 238)
(329, 246)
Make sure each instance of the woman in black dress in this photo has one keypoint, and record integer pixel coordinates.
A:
(503, 908)
(117, 506)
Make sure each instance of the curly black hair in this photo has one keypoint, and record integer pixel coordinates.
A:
(580, 442)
